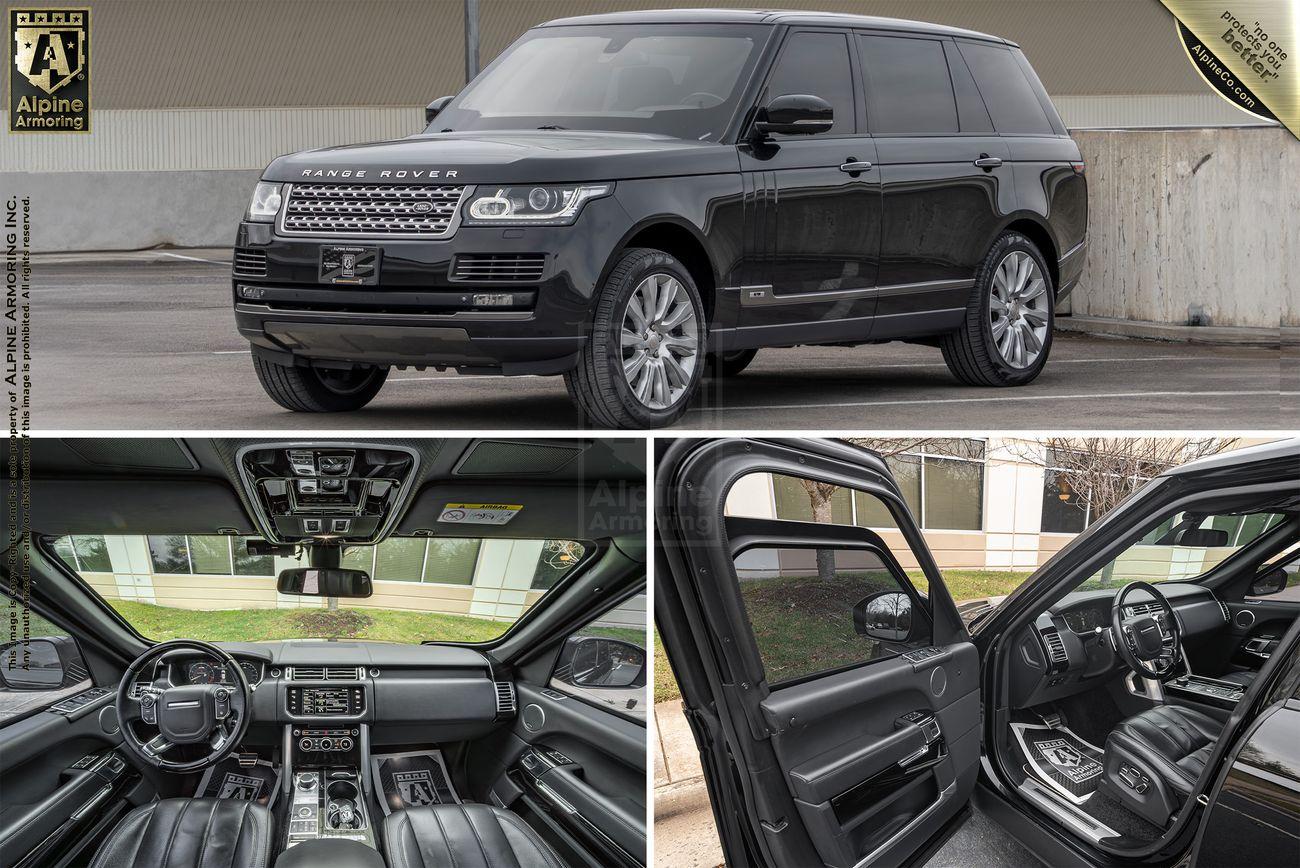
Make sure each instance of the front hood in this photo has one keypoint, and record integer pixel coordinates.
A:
(524, 157)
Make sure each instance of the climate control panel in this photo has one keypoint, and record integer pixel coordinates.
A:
(326, 740)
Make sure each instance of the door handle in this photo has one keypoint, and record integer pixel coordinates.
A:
(987, 162)
(853, 166)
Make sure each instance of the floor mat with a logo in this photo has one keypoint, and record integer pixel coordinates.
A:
(412, 780)
(1069, 765)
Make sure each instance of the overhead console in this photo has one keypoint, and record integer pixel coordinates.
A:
(348, 492)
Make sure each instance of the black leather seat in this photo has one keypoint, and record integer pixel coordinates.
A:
(1243, 677)
(464, 836)
(190, 833)
(1154, 759)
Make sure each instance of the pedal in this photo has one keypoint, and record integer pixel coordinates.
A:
(1053, 720)
(246, 760)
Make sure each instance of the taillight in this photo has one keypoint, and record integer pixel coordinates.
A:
(1078, 167)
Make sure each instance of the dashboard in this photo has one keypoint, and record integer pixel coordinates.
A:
(446, 692)
(1066, 652)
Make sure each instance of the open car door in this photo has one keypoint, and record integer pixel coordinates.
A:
(836, 705)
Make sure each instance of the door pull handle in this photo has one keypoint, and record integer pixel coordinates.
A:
(853, 166)
(987, 162)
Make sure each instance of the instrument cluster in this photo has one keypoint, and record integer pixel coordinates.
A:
(211, 672)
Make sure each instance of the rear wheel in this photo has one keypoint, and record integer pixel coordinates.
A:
(728, 364)
(319, 390)
(1007, 335)
(644, 360)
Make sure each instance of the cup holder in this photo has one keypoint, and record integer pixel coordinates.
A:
(342, 808)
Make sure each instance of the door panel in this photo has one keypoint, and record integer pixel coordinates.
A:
(840, 752)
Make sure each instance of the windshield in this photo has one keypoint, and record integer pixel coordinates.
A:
(210, 588)
(1184, 547)
(673, 80)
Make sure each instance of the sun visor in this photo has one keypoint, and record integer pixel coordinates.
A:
(529, 511)
(118, 506)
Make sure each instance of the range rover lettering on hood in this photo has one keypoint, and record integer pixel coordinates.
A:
(379, 173)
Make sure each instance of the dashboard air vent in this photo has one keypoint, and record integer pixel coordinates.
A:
(325, 673)
(1144, 609)
(505, 698)
(1056, 648)
(1223, 607)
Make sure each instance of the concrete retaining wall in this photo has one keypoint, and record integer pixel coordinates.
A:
(1183, 224)
(1192, 223)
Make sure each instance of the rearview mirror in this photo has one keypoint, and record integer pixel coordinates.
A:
(432, 109)
(313, 582)
(886, 616)
(33, 664)
(1271, 582)
(795, 114)
(593, 661)
(1202, 538)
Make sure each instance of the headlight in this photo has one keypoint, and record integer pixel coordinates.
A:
(265, 204)
(538, 205)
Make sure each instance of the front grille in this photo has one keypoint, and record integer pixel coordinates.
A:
(250, 263)
(371, 210)
(499, 267)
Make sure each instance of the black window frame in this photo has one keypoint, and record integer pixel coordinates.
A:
(869, 101)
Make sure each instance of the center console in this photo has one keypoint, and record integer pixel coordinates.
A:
(1198, 689)
(330, 790)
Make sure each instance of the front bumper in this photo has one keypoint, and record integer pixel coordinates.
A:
(417, 315)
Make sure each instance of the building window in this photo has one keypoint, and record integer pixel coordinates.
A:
(84, 554)
(1066, 508)
(207, 555)
(942, 482)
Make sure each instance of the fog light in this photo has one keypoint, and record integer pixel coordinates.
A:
(251, 291)
(494, 299)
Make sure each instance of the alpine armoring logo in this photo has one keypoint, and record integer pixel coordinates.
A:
(49, 82)
(1219, 77)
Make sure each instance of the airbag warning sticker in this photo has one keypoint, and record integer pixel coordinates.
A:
(479, 513)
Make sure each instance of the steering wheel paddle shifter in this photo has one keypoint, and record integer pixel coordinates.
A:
(1150, 642)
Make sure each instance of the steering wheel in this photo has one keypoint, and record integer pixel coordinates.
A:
(212, 715)
(1150, 643)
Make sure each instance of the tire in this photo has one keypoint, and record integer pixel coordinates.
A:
(730, 364)
(599, 386)
(973, 353)
(316, 390)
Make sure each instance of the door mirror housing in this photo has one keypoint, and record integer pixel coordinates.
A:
(1270, 583)
(599, 663)
(886, 616)
(33, 664)
(432, 109)
(314, 582)
(795, 114)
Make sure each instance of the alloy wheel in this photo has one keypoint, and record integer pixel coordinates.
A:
(1018, 309)
(660, 338)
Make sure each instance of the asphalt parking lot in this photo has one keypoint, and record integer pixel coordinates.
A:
(149, 342)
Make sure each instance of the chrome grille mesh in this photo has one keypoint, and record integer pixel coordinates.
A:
(371, 209)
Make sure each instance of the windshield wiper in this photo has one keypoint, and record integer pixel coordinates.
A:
(552, 127)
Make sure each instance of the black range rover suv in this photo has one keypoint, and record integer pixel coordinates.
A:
(640, 200)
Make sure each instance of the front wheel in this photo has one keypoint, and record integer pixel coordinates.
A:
(1007, 335)
(645, 357)
(319, 390)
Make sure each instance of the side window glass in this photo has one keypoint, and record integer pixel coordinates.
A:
(817, 64)
(605, 661)
(817, 610)
(1010, 99)
(909, 86)
(40, 663)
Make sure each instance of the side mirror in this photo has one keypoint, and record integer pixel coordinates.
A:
(886, 616)
(432, 109)
(597, 662)
(1271, 582)
(313, 582)
(34, 664)
(795, 114)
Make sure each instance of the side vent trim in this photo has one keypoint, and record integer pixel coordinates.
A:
(506, 702)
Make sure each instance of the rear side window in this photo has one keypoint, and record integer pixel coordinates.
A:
(909, 86)
(817, 64)
(1010, 99)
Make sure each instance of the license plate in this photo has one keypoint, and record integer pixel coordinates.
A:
(357, 266)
